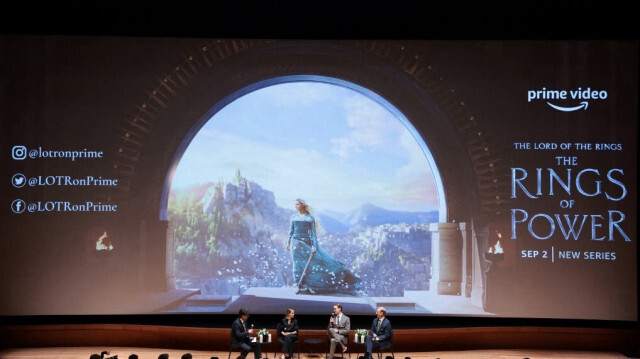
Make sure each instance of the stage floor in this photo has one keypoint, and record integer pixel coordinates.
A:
(277, 300)
(153, 353)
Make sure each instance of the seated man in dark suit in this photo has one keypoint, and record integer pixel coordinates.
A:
(241, 337)
(381, 334)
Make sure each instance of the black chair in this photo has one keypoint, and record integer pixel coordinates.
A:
(381, 350)
(281, 341)
(239, 350)
(389, 348)
(233, 349)
(326, 355)
(310, 342)
(296, 347)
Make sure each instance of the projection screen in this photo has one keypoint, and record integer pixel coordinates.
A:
(457, 178)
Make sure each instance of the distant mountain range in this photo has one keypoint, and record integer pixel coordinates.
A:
(332, 225)
(369, 215)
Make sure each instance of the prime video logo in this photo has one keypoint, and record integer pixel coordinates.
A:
(559, 95)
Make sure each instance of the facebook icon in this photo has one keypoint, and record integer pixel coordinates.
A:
(18, 206)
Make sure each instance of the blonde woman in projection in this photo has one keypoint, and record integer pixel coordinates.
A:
(315, 270)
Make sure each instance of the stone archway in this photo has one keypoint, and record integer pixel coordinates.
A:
(218, 69)
(217, 73)
(400, 117)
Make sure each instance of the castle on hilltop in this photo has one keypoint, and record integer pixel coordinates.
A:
(237, 191)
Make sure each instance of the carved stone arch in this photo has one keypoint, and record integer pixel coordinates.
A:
(473, 175)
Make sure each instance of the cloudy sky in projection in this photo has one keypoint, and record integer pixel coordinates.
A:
(332, 146)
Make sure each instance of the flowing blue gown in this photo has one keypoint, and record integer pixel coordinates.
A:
(325, 274)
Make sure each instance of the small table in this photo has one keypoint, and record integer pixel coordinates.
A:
(358, 351)
(262, 344)
(313, 341)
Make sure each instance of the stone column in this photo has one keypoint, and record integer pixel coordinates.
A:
(171, 238)
(479, 244)
(467, 258)
(446, 256)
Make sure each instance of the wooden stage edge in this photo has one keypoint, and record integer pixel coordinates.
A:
(473, 342)
(153, 353)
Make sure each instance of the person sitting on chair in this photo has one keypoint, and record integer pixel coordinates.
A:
(288, 333)
(381, 334)
(338, 330)
(241, 337)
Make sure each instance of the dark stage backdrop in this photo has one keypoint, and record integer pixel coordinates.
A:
(446, 178)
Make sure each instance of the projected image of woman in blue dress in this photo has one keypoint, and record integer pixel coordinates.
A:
(315, 270)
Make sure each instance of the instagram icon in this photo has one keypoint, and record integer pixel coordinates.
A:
(19, 152)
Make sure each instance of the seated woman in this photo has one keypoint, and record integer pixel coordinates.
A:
(287, 333)
(315, 270)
